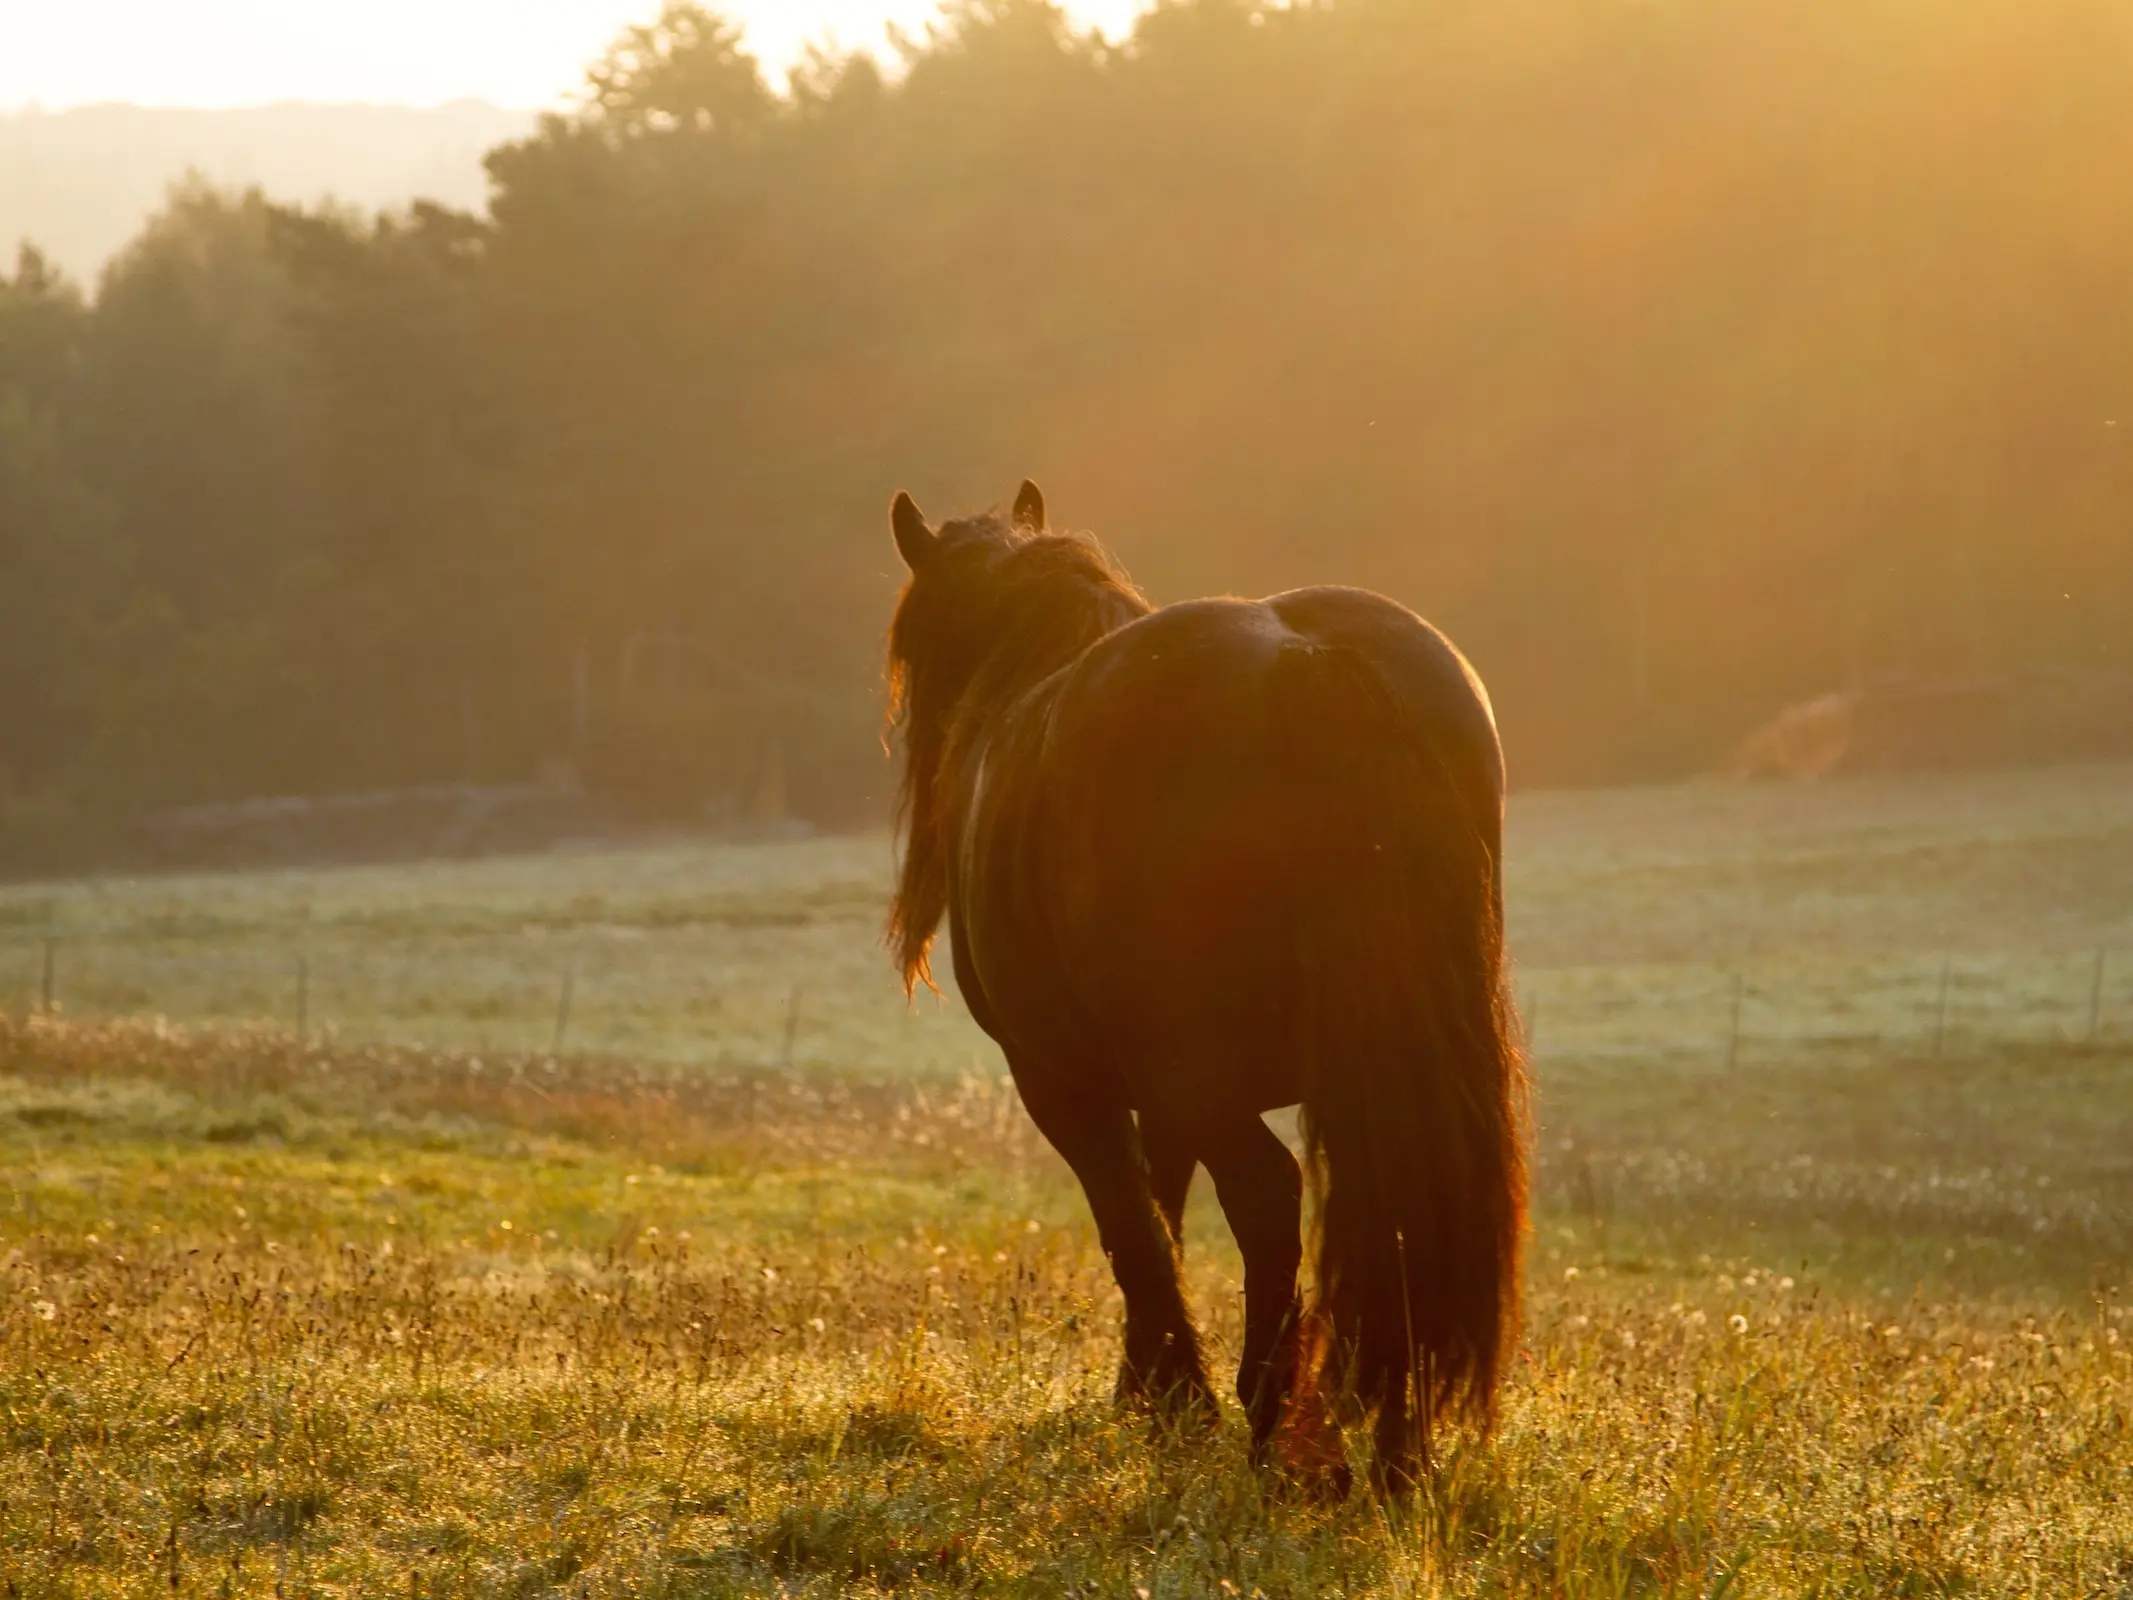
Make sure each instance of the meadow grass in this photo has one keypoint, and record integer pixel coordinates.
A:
(764, 1284)
(277, 1318)
(1632, 913)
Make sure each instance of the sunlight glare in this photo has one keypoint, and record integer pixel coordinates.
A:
(531, 53)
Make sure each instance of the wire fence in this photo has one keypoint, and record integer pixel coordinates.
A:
(622, 997)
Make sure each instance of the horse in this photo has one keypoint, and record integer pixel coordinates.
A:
(1208, 860)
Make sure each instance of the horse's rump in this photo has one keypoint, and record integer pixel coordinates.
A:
(1413, 1081)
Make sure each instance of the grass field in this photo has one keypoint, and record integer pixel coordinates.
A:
(705, 1312)
(1631, 914)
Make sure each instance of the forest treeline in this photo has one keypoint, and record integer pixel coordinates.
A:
(1679, 357)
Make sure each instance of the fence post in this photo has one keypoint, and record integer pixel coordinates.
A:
(562, 1007)
(1740, 984)
(1940, 1010)
(303, 994)
(792, 1029)
(2096, 1000)
(46, 989)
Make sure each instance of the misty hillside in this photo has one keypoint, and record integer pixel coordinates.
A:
(79, 183)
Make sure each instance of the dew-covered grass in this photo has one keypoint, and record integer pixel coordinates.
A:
(298, 1319)
(1696, 924)
(613, 1227)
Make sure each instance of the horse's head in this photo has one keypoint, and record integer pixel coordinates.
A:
(922, 545)
(942, 631)
(994, 603)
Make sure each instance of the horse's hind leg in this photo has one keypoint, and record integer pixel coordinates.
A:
(1168, 1150)
(1260, 1186)
(1162, 1357)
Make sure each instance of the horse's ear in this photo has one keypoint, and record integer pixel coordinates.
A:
(914, 539)
(1029, 507)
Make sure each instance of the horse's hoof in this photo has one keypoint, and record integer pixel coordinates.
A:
(1332, 1486)
(1306, 1451)
(1179, 1403)
(1322, 1483)
(1395, 1482)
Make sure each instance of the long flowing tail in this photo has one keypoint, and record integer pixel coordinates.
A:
(1414, 1099)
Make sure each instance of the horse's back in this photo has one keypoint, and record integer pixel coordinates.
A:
(1172, 807)
(1188, 696)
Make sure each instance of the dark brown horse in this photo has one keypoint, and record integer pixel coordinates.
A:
(1202, 862)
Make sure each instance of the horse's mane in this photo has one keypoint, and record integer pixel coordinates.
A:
(1001, 610)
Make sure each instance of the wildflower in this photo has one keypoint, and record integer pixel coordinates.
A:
(817, 1324)
(1569, 1273)
(1033, 1226)
(1737, 1322)
(44, 1309)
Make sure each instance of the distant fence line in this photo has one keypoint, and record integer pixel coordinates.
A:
(502, 994)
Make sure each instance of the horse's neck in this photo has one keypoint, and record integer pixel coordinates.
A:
(1013, 693)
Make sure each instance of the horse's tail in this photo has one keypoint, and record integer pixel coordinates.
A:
(1414, 1107)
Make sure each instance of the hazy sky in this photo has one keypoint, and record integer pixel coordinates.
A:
(59, 53)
